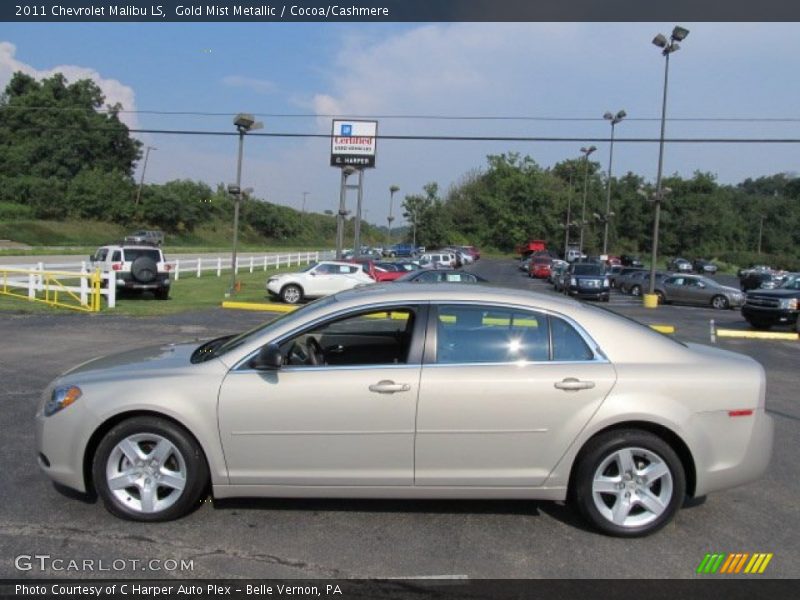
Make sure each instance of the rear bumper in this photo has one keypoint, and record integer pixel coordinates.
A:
(734, 460)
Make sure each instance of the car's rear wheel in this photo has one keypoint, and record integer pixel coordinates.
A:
(149, 469)
(720, 302)
(162, 294)
(291, 294)
(629, 483)
(636, 290)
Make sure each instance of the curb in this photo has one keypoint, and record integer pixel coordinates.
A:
(758, 335)
(669, 329)
(262, 306)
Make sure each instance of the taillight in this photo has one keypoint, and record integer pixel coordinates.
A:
(168, 268)
(116, 267)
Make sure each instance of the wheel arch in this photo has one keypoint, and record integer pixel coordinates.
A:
(296, 284)
(111, 422)
(666, 434)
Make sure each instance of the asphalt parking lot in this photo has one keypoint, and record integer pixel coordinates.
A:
(347, 538)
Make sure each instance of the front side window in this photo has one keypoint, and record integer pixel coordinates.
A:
(369, 338)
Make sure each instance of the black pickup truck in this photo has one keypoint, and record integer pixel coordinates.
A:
(780, 306)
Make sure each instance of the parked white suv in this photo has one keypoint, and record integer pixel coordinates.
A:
(317, 279)
(138, 267)
(438, 260)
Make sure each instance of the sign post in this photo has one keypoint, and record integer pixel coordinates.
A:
(353, 145)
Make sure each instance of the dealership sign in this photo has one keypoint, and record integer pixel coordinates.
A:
(353, 143)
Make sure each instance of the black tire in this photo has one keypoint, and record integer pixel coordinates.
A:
(720, 302)
(636, 290)
(661, 298)
(193, 465)
(756, 324)
(144, 269)
(162, 294)
(598, 452)
(291, 294)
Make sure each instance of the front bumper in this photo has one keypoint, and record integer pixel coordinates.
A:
(771, 315)
(61, 443)
(589, 293)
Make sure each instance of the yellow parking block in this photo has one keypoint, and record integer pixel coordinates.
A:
(757, 335)
(664, 328)
(263, 306)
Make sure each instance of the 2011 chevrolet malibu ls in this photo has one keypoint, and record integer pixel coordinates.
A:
(415, 391)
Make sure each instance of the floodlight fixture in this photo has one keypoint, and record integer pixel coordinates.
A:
(679, 33)
(660, 41)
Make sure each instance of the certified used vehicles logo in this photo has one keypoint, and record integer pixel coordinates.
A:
(734, 563)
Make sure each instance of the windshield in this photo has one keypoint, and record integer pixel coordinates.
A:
(587, 270)
(792, 283)
(236, 341)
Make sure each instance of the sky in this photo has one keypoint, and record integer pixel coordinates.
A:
(294, 76)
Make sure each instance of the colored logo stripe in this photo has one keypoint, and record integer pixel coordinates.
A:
(734, 562)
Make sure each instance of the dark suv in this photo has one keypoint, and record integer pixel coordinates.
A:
(587, 280)
(781, 306)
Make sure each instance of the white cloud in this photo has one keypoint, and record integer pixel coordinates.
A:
(114, 90)
(260, 86)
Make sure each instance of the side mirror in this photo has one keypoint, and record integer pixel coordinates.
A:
(269, 358)
(91, 258)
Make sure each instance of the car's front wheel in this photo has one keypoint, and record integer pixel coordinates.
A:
(720, 302)
(629, 483)
(291, 294)
(149, 469)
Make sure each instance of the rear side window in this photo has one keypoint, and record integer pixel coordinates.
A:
(117, 256)
(568, 345)
(478, 334)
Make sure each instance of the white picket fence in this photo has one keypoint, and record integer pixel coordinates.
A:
(34, 278)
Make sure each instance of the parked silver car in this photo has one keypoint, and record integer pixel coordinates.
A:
(415, 391)
(695, 289)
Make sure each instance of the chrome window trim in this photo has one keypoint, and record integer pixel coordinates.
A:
(241, 365)
(597, 353)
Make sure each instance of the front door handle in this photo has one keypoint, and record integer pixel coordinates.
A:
(389, 387)
(571, 384)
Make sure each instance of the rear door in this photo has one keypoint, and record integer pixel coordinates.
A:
(499, 403)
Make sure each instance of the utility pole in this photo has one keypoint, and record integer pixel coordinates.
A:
(144, 168)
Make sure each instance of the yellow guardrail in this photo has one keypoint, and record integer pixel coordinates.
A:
(49, 287)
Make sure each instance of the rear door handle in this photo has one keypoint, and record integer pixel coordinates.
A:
(389, 387)
(571, 384)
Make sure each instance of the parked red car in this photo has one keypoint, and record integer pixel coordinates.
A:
(540, 267)
(473, 251)
(388, 271)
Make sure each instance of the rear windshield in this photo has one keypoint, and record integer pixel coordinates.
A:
(131, 254)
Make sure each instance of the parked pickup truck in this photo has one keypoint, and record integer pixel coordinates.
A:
(780, 306)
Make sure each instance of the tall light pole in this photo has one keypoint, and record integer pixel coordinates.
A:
(586, 152)
(667, 48)
(392, 190)
(244, 123)
(567, 224)
(614, 119)
(144, 168)
(760, 231)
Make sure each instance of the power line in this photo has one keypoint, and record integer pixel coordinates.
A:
(441, 138)
(402, 116)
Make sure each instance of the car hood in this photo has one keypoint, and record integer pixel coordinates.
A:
(728, 289)
(153, 358)
(776, 293)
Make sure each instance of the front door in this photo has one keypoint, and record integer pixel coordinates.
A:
(341, 410)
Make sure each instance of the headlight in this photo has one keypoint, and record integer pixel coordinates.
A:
(606, 283)
(573, 281)
(789, 303)
(61, 397)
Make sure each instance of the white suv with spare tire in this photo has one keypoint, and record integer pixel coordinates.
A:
(138, 267)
